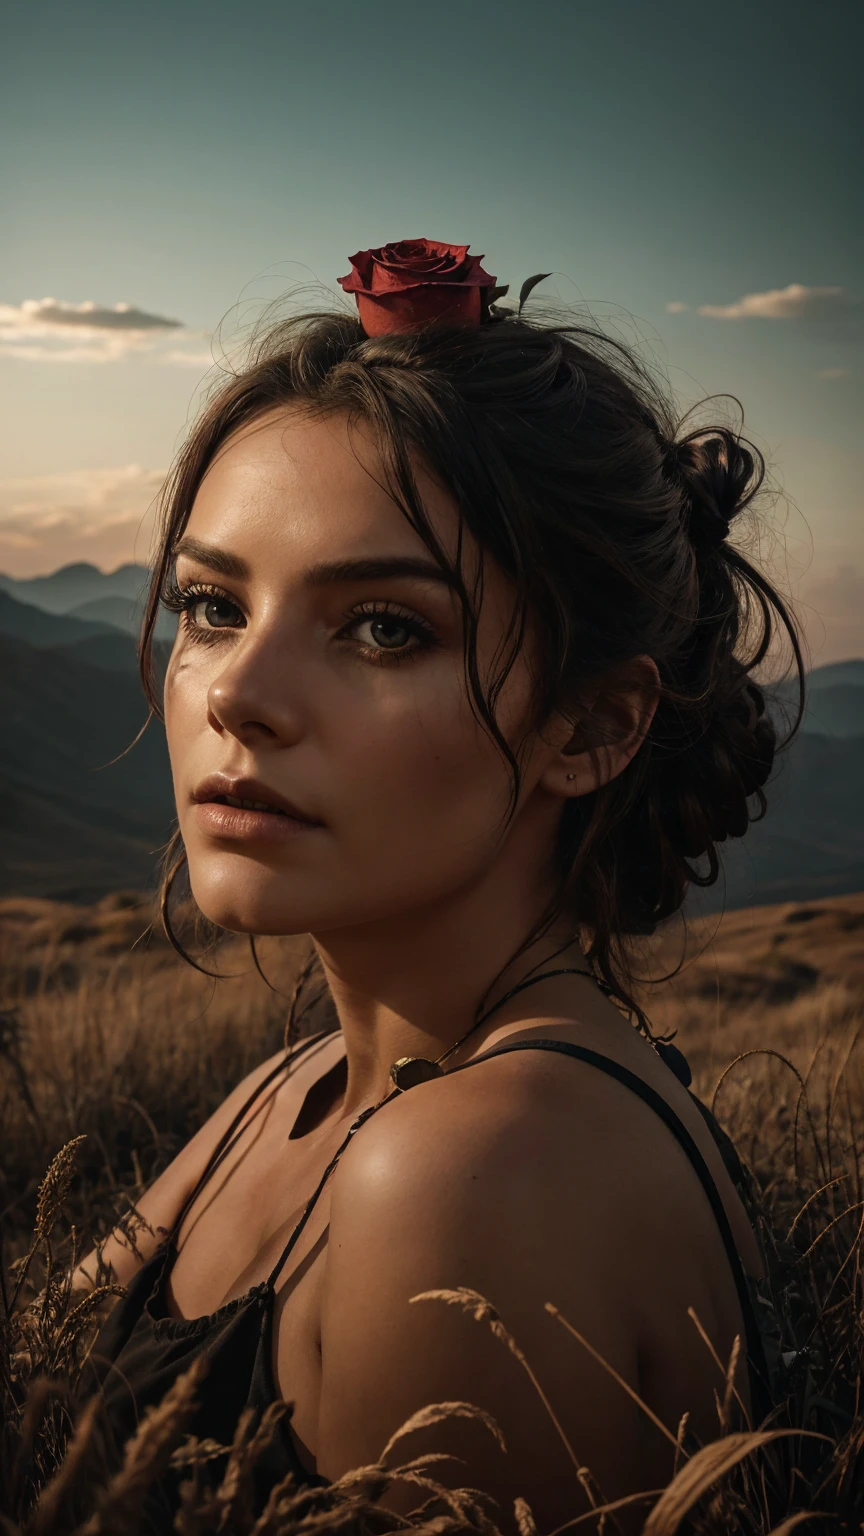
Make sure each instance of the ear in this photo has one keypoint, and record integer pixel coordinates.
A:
(606, 731)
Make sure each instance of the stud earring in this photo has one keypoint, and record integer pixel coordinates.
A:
(571, 775)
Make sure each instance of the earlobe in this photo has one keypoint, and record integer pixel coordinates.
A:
(576, 774)
(610, 732)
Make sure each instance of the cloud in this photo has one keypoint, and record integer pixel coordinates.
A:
(36, 316)
(88, 514)
(54, 331)
(676, 307)
(834, 373)
(794, 302)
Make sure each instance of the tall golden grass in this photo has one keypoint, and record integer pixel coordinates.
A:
(112, 1053)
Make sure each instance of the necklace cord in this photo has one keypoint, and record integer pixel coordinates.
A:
(528, 981)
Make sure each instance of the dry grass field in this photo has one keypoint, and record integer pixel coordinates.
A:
(105, 1034)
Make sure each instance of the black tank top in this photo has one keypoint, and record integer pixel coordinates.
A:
(142, 1349)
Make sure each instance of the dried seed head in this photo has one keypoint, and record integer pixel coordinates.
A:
(146, 1457)
(524, 1519)
(54, 1189)
(439, 1413)
(477, 1307)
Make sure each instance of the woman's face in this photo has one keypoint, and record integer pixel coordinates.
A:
(322, 657)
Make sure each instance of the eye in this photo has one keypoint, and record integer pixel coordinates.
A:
(387, 634)
(390, 633)
(203, 609)
(212, 613)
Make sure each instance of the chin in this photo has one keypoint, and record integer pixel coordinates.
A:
(248, 902)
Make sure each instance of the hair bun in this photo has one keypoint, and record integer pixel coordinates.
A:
(752, 737)
(719, 474)
(705, 792)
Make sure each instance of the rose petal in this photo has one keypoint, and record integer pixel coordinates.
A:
(412, 308)
(408, 264)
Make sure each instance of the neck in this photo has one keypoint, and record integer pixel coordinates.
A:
(411, 985)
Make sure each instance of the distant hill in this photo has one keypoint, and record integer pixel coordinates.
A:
(24, 622)
(72, 585)
(112, 651)
(834, 704)
(811, 842)
(73, 857)
(93, 642)
(122, 612)
(62, 798)
(837, 673)
(106, 616)
(835, 711)
(124, 615)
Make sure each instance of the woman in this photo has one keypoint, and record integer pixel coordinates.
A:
(463, 687)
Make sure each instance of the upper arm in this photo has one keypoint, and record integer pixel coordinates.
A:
(449, 1190)
(159, 1207)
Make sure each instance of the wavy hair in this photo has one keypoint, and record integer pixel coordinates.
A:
(570, 469)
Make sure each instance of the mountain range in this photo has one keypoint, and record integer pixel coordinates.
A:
(83, 812)
(73, 585)
(114, 599)
(72, 819)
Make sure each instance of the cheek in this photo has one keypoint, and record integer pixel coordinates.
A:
(184, 703)
(194, 747)
(424, 775)
(412, 788)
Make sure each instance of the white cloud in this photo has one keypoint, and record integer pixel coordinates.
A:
(791, 303)
(676, 307)
(87, 514)
(54, 331)
(833, 373)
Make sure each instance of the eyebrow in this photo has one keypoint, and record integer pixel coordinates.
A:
(323, 573)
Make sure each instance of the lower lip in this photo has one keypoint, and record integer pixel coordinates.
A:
(249, 826)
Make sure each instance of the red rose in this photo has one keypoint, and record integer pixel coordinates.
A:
(402, 286)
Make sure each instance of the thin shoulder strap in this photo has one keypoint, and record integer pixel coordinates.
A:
(755, 1347)
(226, 1140)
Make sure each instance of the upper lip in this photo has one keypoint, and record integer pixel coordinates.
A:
(218, 784)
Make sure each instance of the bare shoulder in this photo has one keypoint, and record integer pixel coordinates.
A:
(524, 1185)
(514, 1137)
(513, 1157)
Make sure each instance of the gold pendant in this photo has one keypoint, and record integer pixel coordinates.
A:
(408, 1071)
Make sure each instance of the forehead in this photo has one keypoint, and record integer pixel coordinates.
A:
(290, 481)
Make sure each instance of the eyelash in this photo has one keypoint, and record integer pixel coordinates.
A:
(182, 600)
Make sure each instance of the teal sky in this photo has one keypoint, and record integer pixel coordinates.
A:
(187, 158)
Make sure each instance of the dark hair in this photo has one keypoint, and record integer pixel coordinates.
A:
(563, 455)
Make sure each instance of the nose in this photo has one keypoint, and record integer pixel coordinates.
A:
(251, 698)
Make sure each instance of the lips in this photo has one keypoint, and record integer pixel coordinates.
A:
(248, 805)
(248, 794)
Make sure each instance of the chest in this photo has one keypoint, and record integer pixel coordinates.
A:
(242, 1229)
